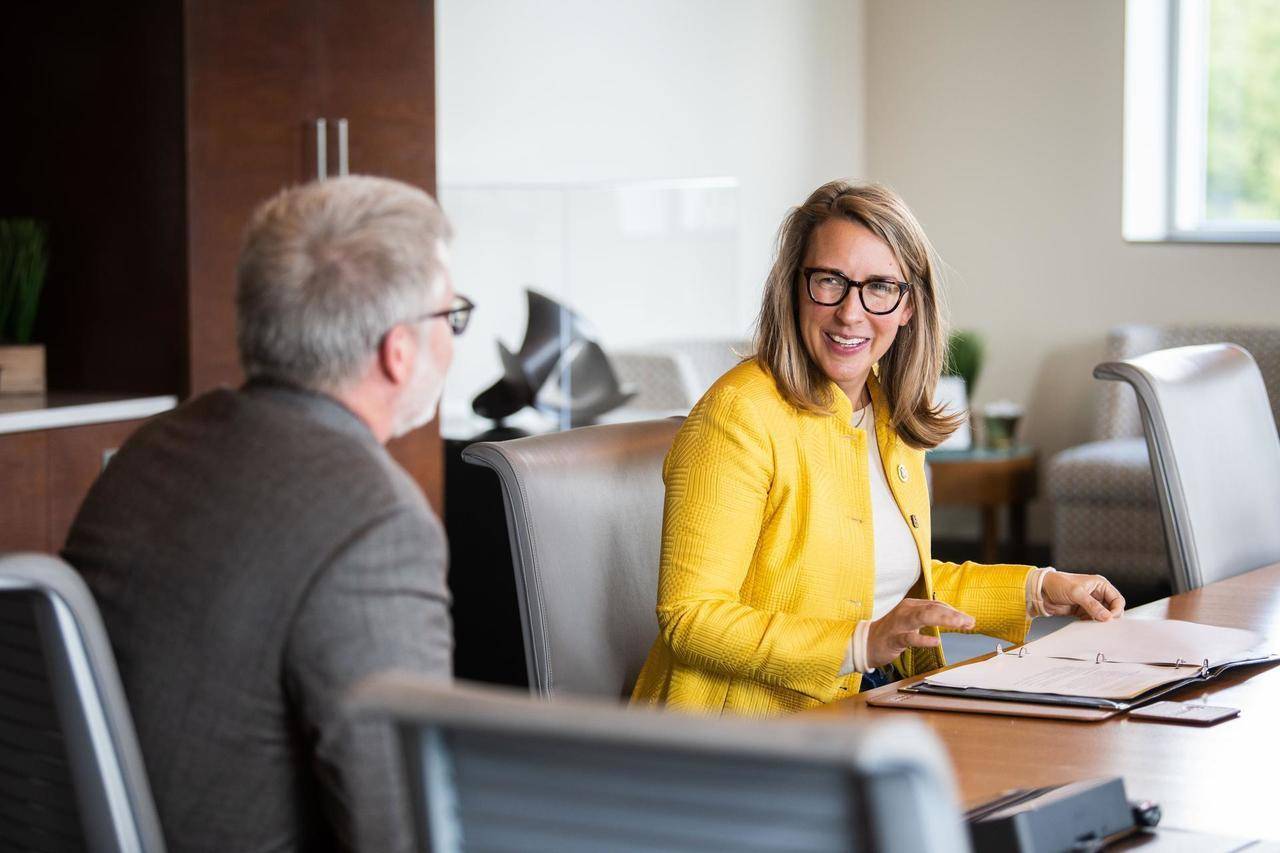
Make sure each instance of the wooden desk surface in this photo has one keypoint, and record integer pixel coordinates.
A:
(1224, 779)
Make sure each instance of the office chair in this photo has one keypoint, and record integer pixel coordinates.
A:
(1215, 455)
(71, 774)
(584, 513)
(491, 769)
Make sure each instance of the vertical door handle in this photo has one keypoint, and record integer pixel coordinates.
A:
(322, 154)
(342, 146)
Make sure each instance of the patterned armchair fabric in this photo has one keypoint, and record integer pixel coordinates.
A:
(671, 376)
(1105, 515)
(1118, 416)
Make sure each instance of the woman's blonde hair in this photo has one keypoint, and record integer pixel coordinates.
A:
(909, 370)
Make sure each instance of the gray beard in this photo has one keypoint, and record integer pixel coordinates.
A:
(418, 405)
(421, 397)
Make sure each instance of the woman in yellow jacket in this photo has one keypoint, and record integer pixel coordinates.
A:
(795, 565)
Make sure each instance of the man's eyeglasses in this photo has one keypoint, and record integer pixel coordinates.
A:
(829, 287)
(456, 315)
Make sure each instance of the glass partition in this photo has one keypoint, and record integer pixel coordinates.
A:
(641, 262)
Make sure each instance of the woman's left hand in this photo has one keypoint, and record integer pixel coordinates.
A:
(1082, 596)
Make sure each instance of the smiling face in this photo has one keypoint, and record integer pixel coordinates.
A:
(844, 340)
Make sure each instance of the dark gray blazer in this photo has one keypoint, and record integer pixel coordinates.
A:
(254, 554)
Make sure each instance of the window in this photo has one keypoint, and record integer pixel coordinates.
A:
(1202, 120)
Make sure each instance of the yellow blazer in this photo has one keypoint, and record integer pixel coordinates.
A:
(767, 555)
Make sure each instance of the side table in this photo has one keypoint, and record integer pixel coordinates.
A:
(988, 479)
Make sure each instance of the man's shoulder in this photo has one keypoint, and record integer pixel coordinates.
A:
(243, 502)
(308, 434)
(308, 463)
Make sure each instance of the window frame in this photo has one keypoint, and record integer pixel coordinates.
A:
(1166, 129)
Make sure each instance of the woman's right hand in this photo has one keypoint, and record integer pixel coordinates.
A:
(899, 629)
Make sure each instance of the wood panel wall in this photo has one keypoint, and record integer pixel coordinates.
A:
(146, 133)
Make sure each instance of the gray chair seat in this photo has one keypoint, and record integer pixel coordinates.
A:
(584, 512)
(1106, 514)
(71, 772)
(490, 770)
(1211, 432)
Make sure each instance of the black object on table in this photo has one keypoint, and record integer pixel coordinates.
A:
(1079, 816)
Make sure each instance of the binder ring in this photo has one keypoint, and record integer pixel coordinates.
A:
(1101, 658)
(1022, 652)
(1179, 662)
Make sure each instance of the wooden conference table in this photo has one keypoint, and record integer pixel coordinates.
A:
(1221, 780)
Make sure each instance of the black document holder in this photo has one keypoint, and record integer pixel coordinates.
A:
(1058, 818)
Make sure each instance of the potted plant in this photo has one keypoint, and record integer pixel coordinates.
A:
(955, 388)
(964, 358)
(24, 258)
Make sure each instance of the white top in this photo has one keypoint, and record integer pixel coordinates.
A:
(897, 564)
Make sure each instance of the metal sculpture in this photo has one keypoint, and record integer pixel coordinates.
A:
(559, 343)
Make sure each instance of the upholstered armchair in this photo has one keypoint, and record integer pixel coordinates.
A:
(1106, 518)
(670, 376)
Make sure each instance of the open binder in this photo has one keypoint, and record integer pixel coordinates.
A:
(1111, 666)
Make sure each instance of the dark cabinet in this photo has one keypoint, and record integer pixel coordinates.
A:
(252, 93)
(24, 491)
(145, 133)
(46, 475)
(260, 76)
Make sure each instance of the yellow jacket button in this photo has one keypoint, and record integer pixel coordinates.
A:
(902, 473)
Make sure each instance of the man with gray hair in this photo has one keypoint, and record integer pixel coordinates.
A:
(256, 551)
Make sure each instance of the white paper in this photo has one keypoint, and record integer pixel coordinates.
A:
(1060, 677)
(1162, 641)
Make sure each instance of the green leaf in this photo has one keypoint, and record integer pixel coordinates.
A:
(964, 357)
(24, 260)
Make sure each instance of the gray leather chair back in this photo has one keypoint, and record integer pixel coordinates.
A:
(71, 774)
(1118, 415)
(495, 770)
(1215, 456)
(584, 511)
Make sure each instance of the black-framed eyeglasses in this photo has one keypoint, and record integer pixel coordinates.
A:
(457, 315)
(830, 287)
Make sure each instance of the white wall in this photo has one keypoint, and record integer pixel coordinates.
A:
(1000, 122)
(569, 91)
